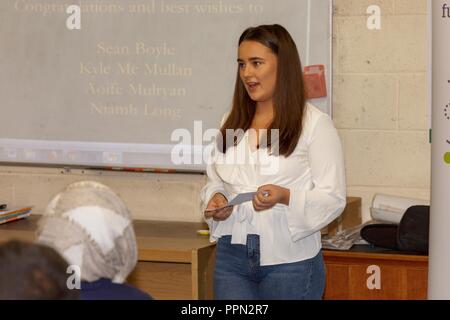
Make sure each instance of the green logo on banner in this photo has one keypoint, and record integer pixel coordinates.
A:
(447, 157)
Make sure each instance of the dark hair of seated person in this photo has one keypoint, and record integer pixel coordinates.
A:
(30, 271)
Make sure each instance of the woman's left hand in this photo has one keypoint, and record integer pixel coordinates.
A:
(269, 195)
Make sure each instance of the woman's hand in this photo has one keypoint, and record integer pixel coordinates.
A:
(269, 195)
(217, 201)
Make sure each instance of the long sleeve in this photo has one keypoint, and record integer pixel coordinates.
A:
(311, 210)
(214, 185)
(214, 182)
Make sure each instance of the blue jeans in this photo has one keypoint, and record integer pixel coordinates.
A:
(239, 276)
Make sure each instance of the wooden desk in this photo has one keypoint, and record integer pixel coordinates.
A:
(174, 262)
(402, 276)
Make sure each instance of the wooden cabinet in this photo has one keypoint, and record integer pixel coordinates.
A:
(174, 262)
(384, 275)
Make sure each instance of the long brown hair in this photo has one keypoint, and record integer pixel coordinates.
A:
(289, 97)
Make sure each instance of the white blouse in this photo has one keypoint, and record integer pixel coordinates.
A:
(315, 175)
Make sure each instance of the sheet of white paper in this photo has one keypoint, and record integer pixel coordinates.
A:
(240, 198)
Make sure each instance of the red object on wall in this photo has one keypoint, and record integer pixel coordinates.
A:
(315, 82)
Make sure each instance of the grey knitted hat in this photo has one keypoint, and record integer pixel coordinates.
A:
(91, 227)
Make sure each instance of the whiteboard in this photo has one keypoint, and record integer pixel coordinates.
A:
(112, 93)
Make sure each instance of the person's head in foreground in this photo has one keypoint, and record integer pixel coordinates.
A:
(30, 271)
(92, 228)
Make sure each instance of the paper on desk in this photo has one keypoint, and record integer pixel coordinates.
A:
(391, 208)
(240, 198)
(344, 240)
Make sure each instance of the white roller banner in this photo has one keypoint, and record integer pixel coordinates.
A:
(439, 255)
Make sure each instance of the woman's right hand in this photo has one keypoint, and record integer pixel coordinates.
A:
(217, 201)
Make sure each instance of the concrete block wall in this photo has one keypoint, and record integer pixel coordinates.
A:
(380, 98)
(149, 196)
(379, 106)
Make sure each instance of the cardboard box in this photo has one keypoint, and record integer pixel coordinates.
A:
(351, 217)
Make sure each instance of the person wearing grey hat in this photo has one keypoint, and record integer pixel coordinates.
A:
(90, 226)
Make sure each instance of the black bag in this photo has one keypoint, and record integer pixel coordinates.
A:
(411, 234)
